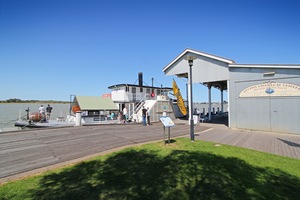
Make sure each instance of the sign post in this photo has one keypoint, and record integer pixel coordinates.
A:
(167, 122)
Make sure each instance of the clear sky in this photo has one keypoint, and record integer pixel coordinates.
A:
(50, 49)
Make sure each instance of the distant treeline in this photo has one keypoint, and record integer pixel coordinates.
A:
(15, 100)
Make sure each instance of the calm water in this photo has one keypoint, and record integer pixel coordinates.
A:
(9, 112)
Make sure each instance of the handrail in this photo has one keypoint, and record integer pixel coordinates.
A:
(139, 105)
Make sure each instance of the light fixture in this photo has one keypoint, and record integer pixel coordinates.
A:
(190, 60)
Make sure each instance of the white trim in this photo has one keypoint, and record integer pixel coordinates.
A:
(200, 54)
(285, 66)
(229, 104)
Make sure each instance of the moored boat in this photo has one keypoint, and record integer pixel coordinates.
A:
(38, 120)
(45, 124)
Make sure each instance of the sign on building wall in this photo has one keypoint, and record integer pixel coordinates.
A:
(274, 89)
(106, 95)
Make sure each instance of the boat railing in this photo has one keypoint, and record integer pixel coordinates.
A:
(132, 97)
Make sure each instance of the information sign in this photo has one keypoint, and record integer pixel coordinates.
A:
(167, 121)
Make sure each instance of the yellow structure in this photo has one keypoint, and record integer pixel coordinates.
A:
(180, 102)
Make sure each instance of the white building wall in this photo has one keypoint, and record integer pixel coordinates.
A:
(278, 113)
(207, 70)
(204, 69)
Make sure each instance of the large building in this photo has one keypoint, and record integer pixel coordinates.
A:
(260, 97)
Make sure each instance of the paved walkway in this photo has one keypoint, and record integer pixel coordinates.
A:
(30, 152)
(275, 143)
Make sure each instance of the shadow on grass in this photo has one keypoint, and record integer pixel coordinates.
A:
(171, 141)
(181, 175)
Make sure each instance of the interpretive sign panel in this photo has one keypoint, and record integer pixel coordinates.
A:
(167, 121)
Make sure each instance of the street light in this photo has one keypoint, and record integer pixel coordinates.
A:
(190, 61)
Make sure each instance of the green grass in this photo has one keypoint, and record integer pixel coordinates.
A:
(181, 170)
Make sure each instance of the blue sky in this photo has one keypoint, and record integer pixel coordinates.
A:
(50, 49)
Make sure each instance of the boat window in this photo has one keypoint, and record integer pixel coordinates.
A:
(148, 90)
(93, 113)
(158, 92)
(133, 90)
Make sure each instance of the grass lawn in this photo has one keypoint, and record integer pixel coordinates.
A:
(180, 170)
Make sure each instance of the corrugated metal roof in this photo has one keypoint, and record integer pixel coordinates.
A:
(96, 103)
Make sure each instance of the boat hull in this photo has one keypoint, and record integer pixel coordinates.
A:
(47, 124)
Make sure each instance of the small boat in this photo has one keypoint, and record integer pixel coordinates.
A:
(38, 120)
(44, 124)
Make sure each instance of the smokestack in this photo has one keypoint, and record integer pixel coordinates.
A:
(140, 78)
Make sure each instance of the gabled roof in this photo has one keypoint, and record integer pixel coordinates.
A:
(95, 103)
(199, 53)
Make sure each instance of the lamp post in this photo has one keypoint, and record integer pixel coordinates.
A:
(190, 61)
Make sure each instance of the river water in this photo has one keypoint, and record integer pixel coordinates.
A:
(10, 112)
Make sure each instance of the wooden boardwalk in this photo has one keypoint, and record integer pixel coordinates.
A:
(275, 143)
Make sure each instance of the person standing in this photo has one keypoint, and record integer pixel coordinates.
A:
(148, 116)
(119, 117)
(42, 113)
(144, 113)
(41, 109)
(125, 114)
(48, 111)
(112, 115)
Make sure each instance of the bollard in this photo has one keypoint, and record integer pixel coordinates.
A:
(78, 118)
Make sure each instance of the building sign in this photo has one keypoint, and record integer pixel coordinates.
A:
(164, 107)
(273, 89)
(106, 95)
